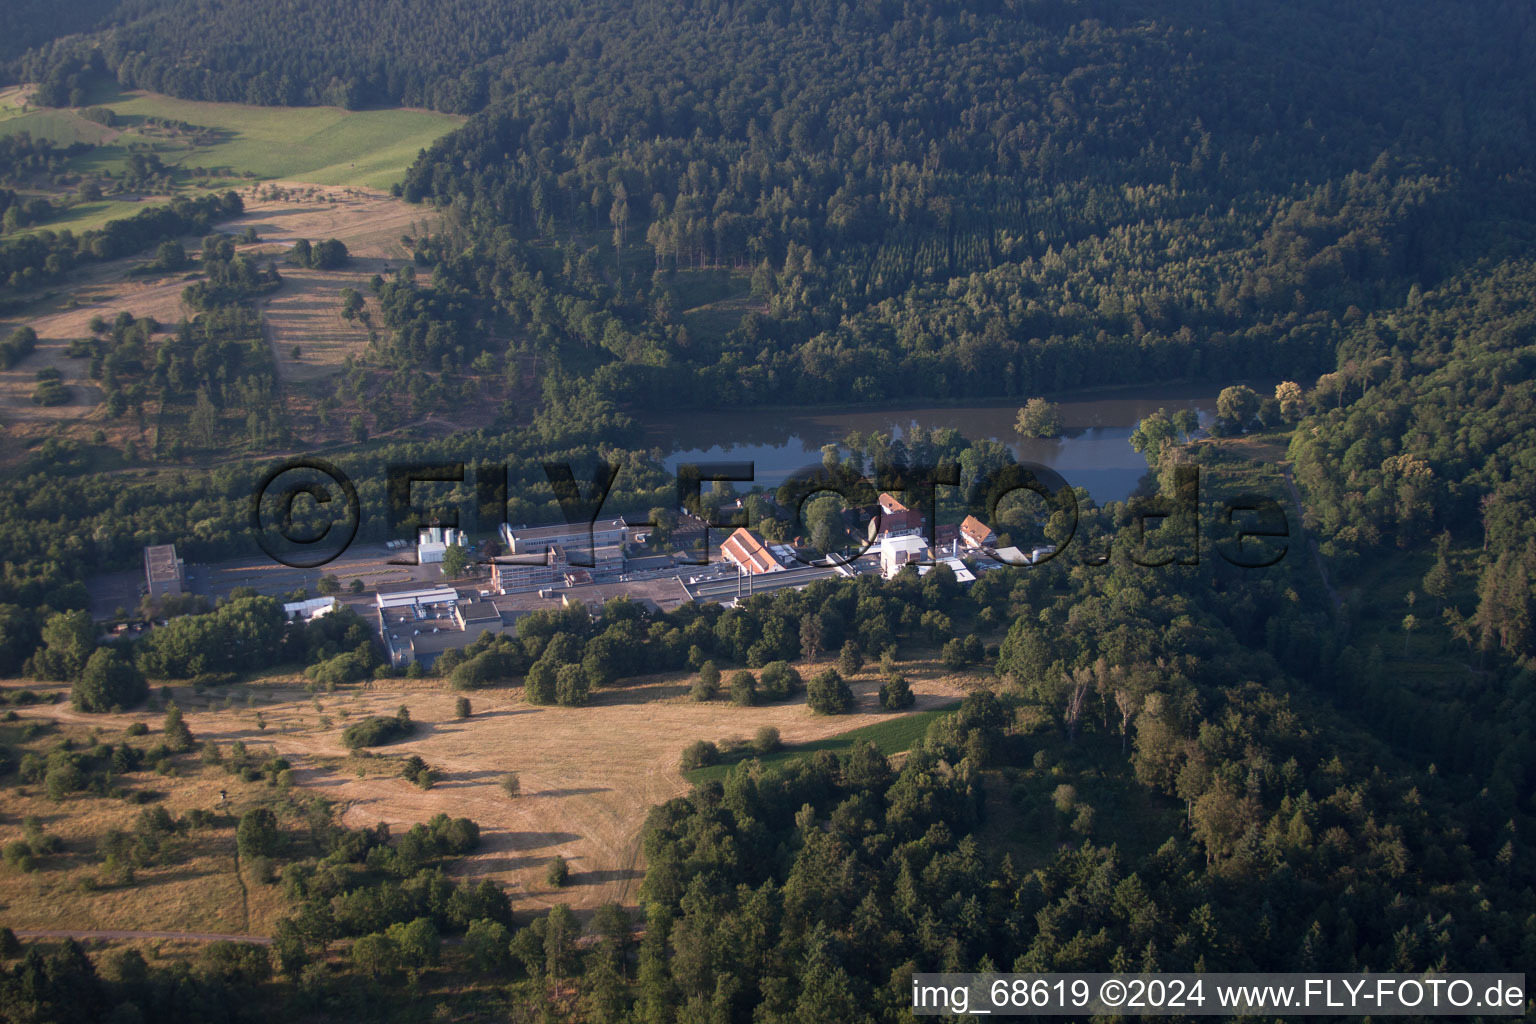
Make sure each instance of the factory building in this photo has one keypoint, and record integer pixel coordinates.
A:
(164, 573)
(433, 542)
(602, 547)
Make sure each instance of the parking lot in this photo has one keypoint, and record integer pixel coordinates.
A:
(369, 563)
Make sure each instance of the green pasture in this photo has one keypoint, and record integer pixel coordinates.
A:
(900, 733)
(320, 145)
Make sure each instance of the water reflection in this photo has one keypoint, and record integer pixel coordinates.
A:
(1094, 451)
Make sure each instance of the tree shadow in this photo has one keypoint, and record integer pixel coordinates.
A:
(606, 875)
(519, 842)
(458, 780)
(645, 694)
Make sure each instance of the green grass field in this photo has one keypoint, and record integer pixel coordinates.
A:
(61, 127)
(320, 145)
(88, 216)
(890, 737)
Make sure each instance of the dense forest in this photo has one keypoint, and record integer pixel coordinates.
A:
(1285, 834)
(1032, 229)
(1327, 764)
(1015, 199)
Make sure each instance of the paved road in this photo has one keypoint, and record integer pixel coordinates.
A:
(25, 933)
(720, 590)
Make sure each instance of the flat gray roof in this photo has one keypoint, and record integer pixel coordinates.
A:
(160, 562)
(555, 531)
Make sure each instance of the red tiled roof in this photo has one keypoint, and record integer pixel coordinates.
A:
(889, 504)
(747, 550)
(975, 530)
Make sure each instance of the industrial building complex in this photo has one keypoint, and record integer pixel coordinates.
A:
(421, 617)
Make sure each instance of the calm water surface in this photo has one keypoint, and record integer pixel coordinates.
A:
(1093, 452)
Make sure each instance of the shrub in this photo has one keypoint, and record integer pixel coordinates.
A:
(375, 731)
(328, 255)
(19, 856)
(539, 687)
(896, 693)
(62, 781)
(486, 944)
(461, 707)
(108, 682)
(137, 729)
(40, 844)
(558, 872)
(375, 956)
(766, 741)
(480, 669)
(511, 784)
(257, 834)
(238, 963)
(418, 771)
(347, 667)
(177, 735)
(974, 650)
(155, 821)
(827, 694)
(572, 686)
(50, 392)
(850, 659)
(780, 681)
(743, 688)
(261, 869)
(418, 942)
(699, 754)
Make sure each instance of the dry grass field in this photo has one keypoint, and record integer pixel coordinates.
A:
(368, 220)
(159, 298)
(304, 312)
(589, 776)
(198, 890)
